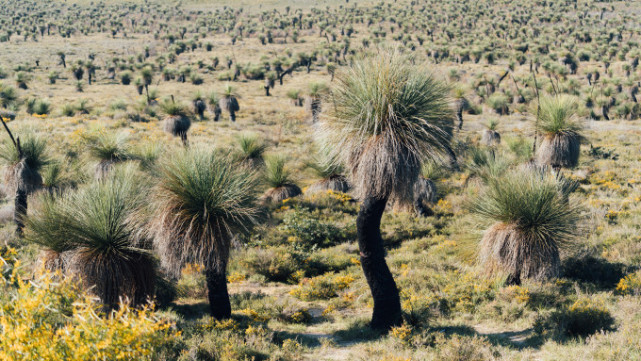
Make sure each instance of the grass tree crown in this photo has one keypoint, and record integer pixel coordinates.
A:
(203, 202)
(534, 218)
(557, 115)
(385, 117)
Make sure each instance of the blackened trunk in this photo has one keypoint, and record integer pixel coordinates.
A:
(20, 210)
(387, 304)
(459, 117)
(218, 295)
(232, 115)
(183, 137)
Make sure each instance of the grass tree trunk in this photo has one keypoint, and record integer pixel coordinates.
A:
(20, 209)
(459, 117)
(387, 304)
(218, 295)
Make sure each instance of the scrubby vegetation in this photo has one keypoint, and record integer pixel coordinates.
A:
(328, 180)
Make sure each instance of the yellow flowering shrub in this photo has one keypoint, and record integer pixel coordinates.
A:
(518, 293)
(401, 333)
(236, 277)
(51, 318)
(630, 285)
(321, 287)
(467, 292)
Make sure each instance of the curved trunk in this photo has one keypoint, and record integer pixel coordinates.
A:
(217, 293)
(387, 304)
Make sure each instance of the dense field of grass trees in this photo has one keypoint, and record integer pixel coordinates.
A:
(320, 180)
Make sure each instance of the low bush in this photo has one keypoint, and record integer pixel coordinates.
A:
(583, 318)
(49, 318)
(308, 231)
(322, 287)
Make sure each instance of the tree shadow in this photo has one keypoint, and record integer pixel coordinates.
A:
(520, 340)
(192, 310)
(358, 331)
(307, 340)
(596, 271)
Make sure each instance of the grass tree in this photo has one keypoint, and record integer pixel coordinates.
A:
(229, 102)
(108, 149)
(330, 171)
(251, 150)
(198, 102)
(214, 105)
(203, 202)
(147, 76)
(8, 95)
(24, 159)
(177, 120)
(279, 178)
(461, 104)
(316, 91)
(95, 224)
(385, 118)
(533, 220)
(490, 136)
(560, 129)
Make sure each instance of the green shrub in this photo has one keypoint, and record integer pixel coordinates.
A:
(308, 231)
(278, 264)
(583, 318)
(38, 107)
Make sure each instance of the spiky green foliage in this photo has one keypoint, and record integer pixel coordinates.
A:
(486, 164)
(34, 150)
(530, 199)
(325, 165)
(492, 124)
(534, 219)
(385, 118)
(172, 108)
(276, 173)
(107, 146)
(8, 95)
(47, 225)
(229, 91)
(97, 223)
(317, 89)
(251, 148)
(57, 176)
(213, 99)
(557, 115)
(433, 171)
(147, 74)
(203, 201)
(293, 94)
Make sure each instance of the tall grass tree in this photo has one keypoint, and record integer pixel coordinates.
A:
(385, 118)
(203, 201)
(23, 162)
